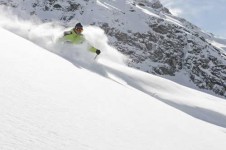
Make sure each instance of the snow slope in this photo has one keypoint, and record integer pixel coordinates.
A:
(59, 103)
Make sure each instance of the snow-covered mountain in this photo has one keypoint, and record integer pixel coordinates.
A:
(65, 102)
(156, 41)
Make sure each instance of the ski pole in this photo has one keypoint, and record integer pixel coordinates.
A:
(95, 57)
(98, 53)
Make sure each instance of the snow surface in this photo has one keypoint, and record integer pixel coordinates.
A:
(56, 97)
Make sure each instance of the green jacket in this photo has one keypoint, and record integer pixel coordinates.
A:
(74, 38)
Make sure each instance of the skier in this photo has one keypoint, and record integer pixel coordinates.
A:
(75, 36)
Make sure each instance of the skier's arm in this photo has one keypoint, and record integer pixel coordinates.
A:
(94, 50)
(66, 38)
(72, 37)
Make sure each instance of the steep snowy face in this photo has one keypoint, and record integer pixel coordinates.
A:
(47, 103)
(156, 41)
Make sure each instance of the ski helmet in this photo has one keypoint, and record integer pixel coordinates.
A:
(78, 25)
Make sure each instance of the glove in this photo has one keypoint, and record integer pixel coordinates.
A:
(98, 52)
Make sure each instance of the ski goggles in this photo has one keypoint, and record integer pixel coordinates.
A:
(79, 29)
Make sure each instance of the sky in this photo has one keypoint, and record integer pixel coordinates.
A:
(206, 14)
(53, 102)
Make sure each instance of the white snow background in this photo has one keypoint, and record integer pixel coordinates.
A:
(71, 101)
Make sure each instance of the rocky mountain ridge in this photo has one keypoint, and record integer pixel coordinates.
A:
(156, 41)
